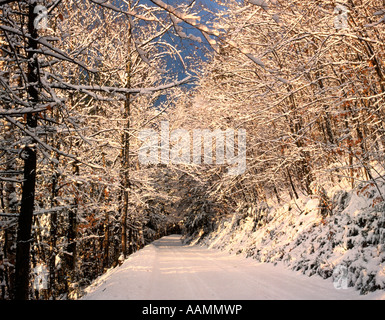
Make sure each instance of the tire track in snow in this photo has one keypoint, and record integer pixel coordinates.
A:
(171, 270)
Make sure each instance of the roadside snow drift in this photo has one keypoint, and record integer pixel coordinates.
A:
(350, 238)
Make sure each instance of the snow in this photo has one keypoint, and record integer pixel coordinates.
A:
(167, 269)
(107, 89)
(297, 235)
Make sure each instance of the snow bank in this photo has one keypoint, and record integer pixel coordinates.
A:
(351, 235)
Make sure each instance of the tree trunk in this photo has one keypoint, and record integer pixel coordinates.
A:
(22, 268)
(106, 241)
(53, 238)
(126, 151)
(291, 183)
(72, 230)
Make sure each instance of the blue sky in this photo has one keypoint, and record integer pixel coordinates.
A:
(188, 49)
(204, 9)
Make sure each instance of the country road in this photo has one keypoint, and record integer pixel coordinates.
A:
(169, 270)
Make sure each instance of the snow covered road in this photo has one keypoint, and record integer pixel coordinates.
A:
(168, 270)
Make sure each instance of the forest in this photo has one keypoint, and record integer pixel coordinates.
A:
(84, 82)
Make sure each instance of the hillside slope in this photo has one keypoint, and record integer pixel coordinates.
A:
(346, 243)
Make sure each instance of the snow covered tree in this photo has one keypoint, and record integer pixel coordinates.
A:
(78, 79)
(309, 97)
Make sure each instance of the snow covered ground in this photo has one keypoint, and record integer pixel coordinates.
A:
(169, 270)
(348, 242)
